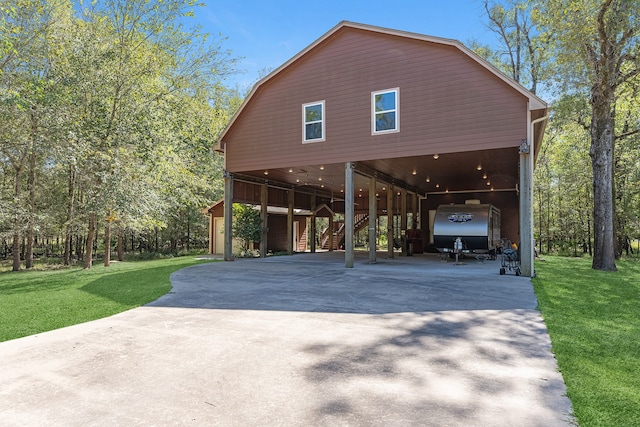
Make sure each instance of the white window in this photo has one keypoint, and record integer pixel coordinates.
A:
(385, 111)
(313, 122)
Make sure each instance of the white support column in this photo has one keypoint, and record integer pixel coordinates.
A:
(228, 217)
(373, 213)
(264, 201)
(349, 213)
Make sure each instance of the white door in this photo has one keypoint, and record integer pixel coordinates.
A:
(218, 224)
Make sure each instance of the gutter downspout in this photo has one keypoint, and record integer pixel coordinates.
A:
(527, 156)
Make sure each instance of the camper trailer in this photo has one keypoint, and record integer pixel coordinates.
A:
(467, 228)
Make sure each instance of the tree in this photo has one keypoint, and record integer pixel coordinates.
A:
(597, 48)
(247, 224)
(522, 52)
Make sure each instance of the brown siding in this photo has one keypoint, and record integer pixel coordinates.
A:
(448, 103)
(277, 237)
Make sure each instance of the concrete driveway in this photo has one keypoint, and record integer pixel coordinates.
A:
(301, 341)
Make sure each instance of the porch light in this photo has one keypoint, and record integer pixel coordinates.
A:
(488, 182)
(428, 179)
(266, 172)
(435, 156)
(298, 180)
(437, 185)
(484, 175)
(320, 179)
(479, 167)
(321, 167)
(290, 170)
(414, 172)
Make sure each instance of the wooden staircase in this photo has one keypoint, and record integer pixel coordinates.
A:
(361, 221)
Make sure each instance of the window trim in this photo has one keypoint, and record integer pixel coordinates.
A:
(305, 123)
(396, 91)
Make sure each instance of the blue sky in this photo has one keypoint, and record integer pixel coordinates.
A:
(268, 33)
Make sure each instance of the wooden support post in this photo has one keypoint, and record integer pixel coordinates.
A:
(228, 217)
(403, 221)
(290, 236)
(331, 232)
(349, 212)
(312, 234)
(390, 195)
(373, 213)
(526, 209)
(264, 202)
(414, 211)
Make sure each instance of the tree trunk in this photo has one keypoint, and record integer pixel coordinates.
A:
(17, 234)
(188, 231)
(601, 152)
(120, 244)
(31, 183)
(70, 202)
(107, 244)
(91, 234)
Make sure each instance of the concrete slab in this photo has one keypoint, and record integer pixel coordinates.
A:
(301, 341)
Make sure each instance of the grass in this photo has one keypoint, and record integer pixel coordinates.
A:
(36, 301)
(593, 319)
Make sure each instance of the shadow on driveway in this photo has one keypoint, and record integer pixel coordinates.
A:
(301, 341)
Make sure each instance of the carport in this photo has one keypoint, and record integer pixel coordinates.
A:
(373, 122)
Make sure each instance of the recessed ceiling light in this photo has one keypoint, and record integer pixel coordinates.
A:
(479, 167)
(322, 167)
(428, 179)
(266, 172)
(290, 170)
(435, 156)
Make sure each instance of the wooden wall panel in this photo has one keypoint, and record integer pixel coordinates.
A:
(448, 103)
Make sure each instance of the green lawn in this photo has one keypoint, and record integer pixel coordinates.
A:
(38, 301)
(594, 322)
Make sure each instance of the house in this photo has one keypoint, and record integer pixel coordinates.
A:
(374, 122)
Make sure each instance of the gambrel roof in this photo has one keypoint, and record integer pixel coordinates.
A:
(534, 102)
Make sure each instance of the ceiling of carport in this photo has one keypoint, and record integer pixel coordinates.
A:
(450, 172)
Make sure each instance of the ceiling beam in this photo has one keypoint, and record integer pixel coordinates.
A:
(369, 172)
